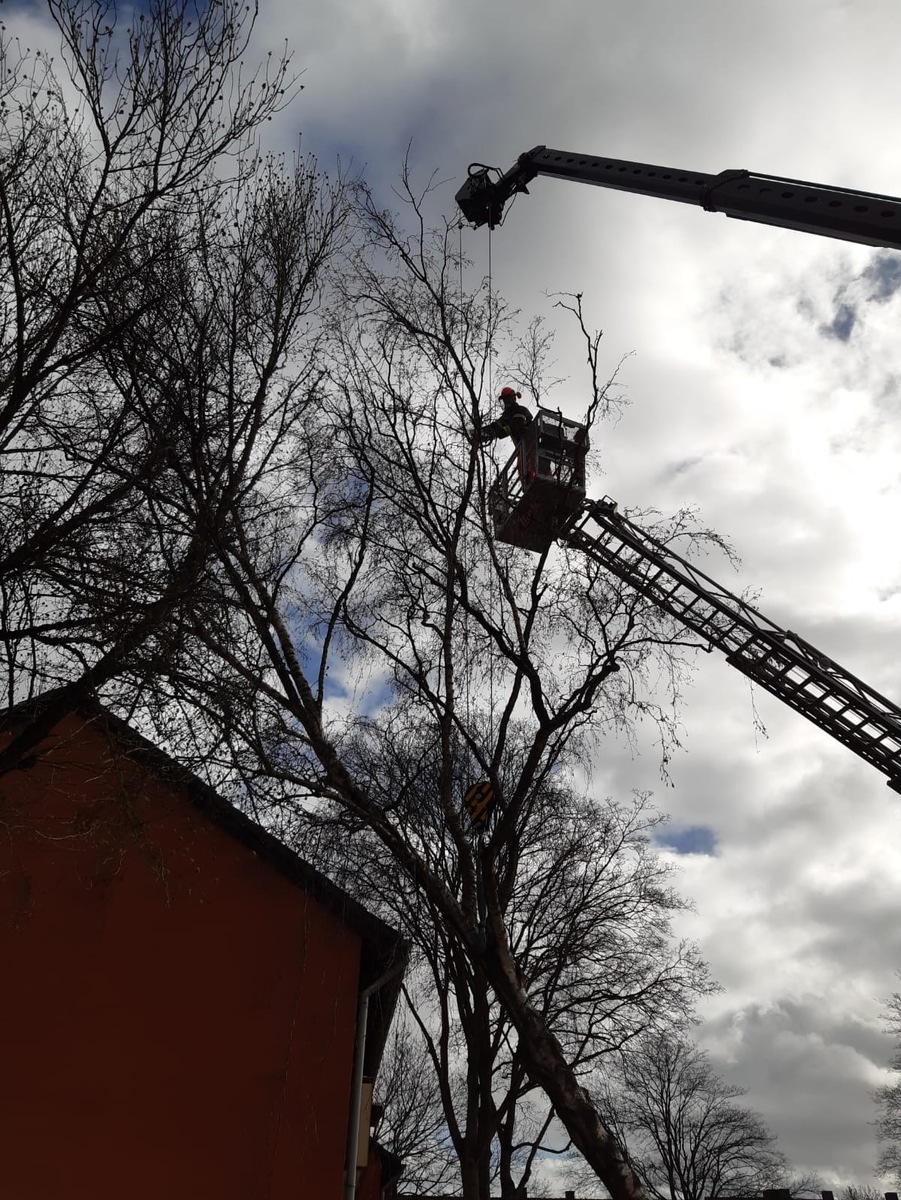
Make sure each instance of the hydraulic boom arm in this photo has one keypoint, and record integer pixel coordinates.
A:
(778, 660)
(834, 212)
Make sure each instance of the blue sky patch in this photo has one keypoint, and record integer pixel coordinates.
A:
(842, 323)
(689, 839)
(884, 273)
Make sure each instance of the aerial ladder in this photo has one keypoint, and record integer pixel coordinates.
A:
(539, 497)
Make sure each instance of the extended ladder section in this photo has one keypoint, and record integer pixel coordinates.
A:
(780, 661)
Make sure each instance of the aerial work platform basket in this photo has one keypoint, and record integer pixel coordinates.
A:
(542, 485)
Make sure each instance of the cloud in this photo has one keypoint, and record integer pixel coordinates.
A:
(815, 1069)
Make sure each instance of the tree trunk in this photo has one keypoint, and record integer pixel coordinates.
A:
(475, 1179)
(547, 1066)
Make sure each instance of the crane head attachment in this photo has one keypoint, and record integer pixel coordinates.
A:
(482, 199)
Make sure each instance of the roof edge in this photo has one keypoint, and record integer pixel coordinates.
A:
(385, 950)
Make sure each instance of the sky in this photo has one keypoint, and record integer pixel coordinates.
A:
(762, 375)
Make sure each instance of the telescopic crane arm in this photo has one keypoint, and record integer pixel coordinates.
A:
(854, 216)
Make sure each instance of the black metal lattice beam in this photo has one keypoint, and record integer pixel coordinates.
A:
(778, 660)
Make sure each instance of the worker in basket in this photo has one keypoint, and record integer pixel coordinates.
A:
(513, 423)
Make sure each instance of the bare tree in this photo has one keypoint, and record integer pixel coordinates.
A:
(158, 273)
(687, 1136)
(92, 191)
(587, 912)
(888, 1101)
(409, 1117)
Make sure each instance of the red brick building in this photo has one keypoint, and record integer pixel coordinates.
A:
(182, 995)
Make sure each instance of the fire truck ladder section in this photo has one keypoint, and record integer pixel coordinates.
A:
(778, 660)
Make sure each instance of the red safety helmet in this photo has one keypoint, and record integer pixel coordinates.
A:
(508, 394)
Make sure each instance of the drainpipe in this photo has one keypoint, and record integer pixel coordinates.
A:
(356, 1091)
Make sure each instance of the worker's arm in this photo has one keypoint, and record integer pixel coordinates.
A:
(512, 424)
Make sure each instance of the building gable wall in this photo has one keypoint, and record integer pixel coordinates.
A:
(177, 1016)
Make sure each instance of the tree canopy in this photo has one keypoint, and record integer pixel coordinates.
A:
(888, 1101)
(688, 1135)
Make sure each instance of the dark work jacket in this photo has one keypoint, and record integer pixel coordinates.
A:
(515, 421)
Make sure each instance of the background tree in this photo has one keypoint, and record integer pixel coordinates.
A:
(99, 187)
(158, 271)
(888, 1102)
(587, 911)
(687, 1138)
(408, 1114)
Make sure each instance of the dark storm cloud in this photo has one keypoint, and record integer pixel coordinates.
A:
(683, 466)
(802, 1018)
(840, 910)
(813, 1066)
